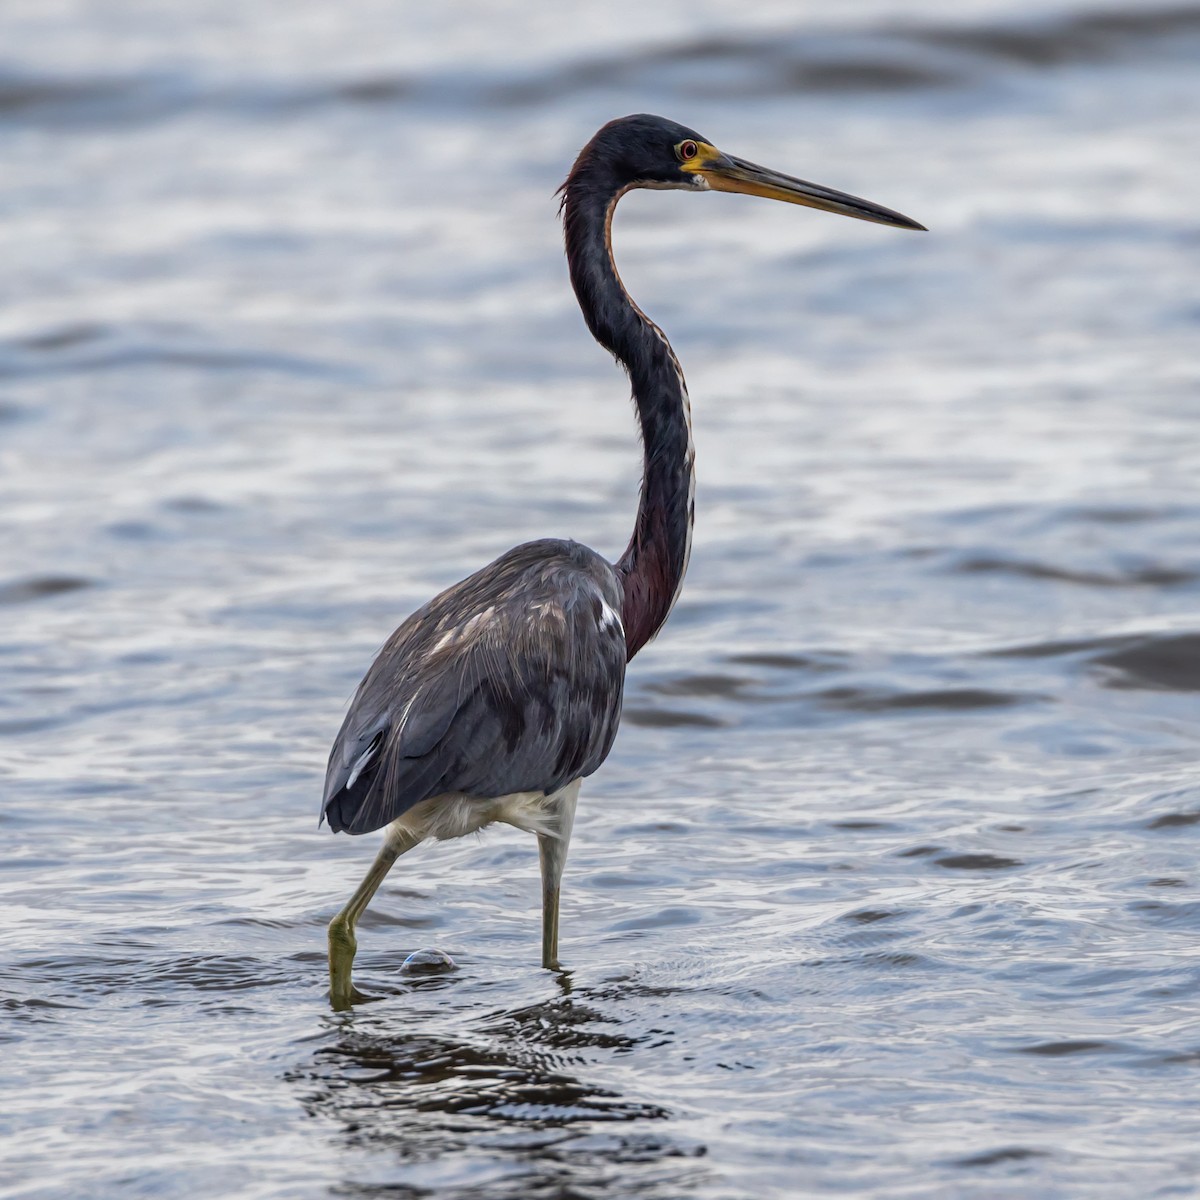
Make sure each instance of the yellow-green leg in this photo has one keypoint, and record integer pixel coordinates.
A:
(342, 942)
(552, 854)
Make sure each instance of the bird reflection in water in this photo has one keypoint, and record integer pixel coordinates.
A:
(511, 1096)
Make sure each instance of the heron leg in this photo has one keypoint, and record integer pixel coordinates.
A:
(342, 942)
(552, 854)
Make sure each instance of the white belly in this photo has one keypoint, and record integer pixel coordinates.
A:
(453, 815)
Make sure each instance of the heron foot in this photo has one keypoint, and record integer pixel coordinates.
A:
(342, 948)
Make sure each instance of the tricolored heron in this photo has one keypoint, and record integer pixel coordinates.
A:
(494, 700)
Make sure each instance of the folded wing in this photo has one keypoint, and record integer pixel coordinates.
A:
(510, 681)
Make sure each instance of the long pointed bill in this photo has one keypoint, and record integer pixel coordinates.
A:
(724, 173)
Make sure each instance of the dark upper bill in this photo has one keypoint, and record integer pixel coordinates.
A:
(724, 173)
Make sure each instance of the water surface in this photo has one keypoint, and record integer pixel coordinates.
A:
(889, 887)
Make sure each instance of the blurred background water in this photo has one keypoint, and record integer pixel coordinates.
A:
(889, 888)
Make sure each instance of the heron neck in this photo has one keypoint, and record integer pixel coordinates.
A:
(652, 568)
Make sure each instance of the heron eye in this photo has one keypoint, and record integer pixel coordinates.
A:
(688, 150)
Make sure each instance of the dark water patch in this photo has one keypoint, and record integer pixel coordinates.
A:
(862, 73)
(878, 700)
(860, 824)
(1160, 662)
(1181, 1058)
(617, 881)
(903, 959)
(666, 718)
(869, 916)
(193, 504)
(63, 337)
(919, 852)
(22, 93)
(1004, 1154)
(1178, 820)
(149, 97)
(1166, 881)
(724, 687)
(1065, 1048)
(977, 862)
(135, 531)
(1134, 577)
(130, 355)
(22, 725)
(1119, 514)
(374, 89)
(41, 587)
(827, 661)
(1159, 912)
(653, 828)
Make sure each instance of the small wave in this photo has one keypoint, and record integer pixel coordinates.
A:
(666, 718)
(1158, 662)
(1061, 647)
(1120, 514)
(776, 661)
(1177, 820)
(62, 337)
(1150, 575)
(1064, 1048)
(87, 347)
(868, 916)
(1186, 912)
(24, 93)
(1004, 1154)
(977, 862)
(725, 687)
(861, 699)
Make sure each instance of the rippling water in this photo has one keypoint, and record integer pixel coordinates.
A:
(889, 888)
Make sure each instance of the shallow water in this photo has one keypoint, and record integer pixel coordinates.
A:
(889, 887)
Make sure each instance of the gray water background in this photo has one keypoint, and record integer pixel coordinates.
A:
(889, 888)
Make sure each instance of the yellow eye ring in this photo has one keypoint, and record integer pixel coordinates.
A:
(687, 150)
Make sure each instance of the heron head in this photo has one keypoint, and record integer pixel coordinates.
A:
(652, 152)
